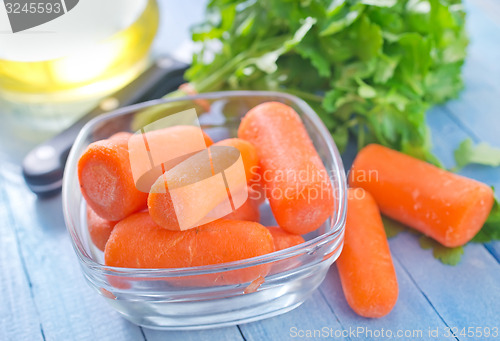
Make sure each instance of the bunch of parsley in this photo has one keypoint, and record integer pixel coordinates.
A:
(368, 67)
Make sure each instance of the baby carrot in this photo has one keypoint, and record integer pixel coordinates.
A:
(365, 265)
(293, 175)
(106, 179)
(138, 242)
(249, 211)
(248, 154)
(99, 228)
(154, 151)
(284, 240)
(445, 206)
(256, 191)
(194, 192)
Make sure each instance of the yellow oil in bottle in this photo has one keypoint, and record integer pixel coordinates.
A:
(50, 75)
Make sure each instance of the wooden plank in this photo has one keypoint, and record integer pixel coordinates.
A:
(68, 308)
(476, 108)
(489, 7)
(468, 291)
(494, 249)
(18, 314)
(421, 304)
(452, 291)
(314, 314)
(465, 295)
(219, 334)
(447, 135)
(412, 314)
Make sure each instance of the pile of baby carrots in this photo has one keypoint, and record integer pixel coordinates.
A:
(137, 229)
(440, 204)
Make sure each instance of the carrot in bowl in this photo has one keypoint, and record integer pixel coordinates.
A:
(138, 242)
(106, 179)
(292, 173)
(200, 189)
(248, 154)
(445, 206)
(99, 228)
(256, 191)
(155, 151)
(249, 211)
(284, 240)
(365, 265)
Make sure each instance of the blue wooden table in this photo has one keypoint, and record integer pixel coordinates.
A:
(43, 294)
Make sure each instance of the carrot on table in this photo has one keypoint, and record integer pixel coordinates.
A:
(365, 265)
(106, 179)
(284, 240)
(138, 242)
(99, 228)
(248, 154)
(293, 175)
(445, 206)
(198, 190)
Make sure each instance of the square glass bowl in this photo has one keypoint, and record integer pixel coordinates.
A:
(190, 298)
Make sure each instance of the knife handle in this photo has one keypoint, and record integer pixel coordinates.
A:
(43, 166)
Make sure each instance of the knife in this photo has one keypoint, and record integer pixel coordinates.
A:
(43, 166)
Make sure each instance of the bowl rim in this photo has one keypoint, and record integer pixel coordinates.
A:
(337, 222)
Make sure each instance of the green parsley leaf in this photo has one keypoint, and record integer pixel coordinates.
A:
(491, 228)
(482, 154)
(382, 62)
(447, 255)
(392, 227)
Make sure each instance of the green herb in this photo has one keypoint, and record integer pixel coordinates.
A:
(392, 227)
(491, 228)
(482, 154)
(368, 67)
(447, 255)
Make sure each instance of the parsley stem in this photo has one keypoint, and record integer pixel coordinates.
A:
(305, 95)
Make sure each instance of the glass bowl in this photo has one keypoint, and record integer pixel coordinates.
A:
(183, 298)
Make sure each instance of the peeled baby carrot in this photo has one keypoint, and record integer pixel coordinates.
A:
(155, 151)
(99, 228)
(138, 242)
(106, 179)
(249, 211)
(194, 192)
(365, 265)
(256, 191)
(445, 206)
(293, 175)
(248, 154)
(284, 240)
